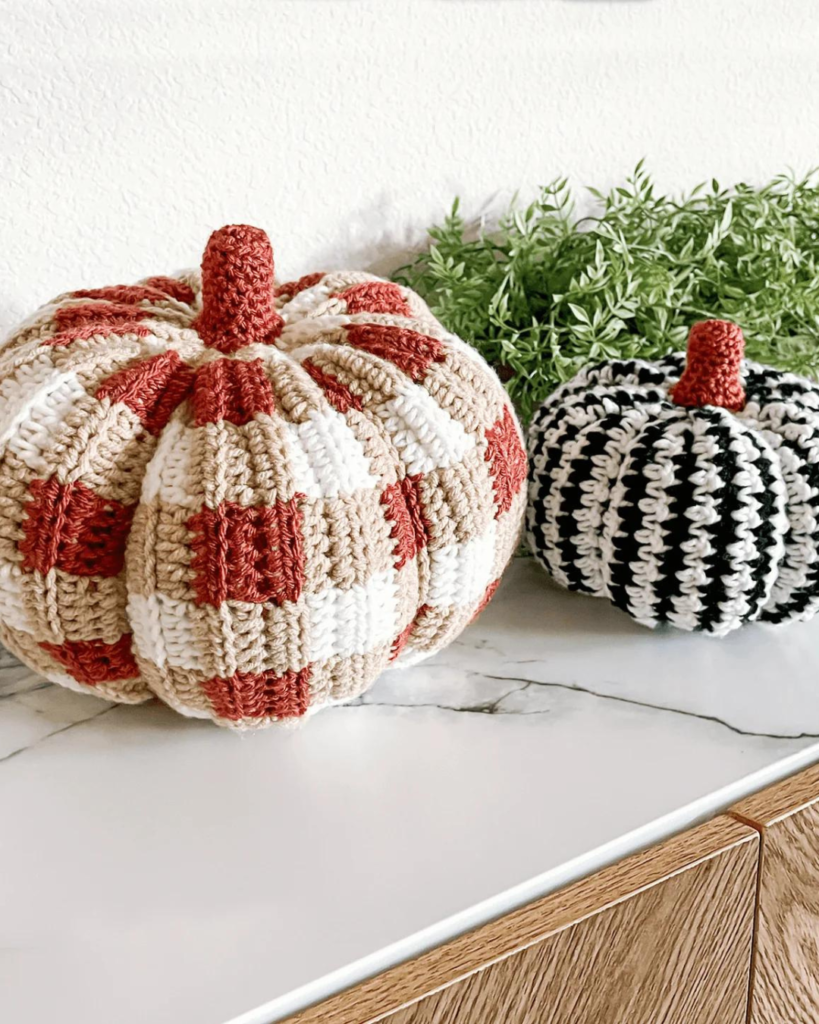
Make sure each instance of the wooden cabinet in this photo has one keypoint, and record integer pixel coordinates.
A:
(718, 924)
(785, 986)
(663, 937)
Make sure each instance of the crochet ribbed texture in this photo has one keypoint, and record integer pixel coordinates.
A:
(247, 501)
(684, 491)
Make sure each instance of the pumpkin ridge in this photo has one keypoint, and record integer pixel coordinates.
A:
(669, 585)
(800, 456)
(151, 387)
(622, 546)
(771, 532)
(720, 564)
(544, 474)
(568, 480)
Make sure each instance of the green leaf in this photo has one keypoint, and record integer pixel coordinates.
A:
(545, 292)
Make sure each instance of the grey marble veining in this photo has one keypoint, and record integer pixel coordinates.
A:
(536, 639)
(553, 736)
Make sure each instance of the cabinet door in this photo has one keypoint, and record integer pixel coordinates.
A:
(785, 984)
(663, 937)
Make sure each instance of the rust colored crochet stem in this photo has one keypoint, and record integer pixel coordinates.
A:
(712, 371)
(237, 290)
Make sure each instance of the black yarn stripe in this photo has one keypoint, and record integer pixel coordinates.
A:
(572, 494)
(626, 549)
(559, 404)
(723, 532)
(608, 375)
(765, 385)
(671, 365)
(808, 594)
(575, 392)
(587, 398)
(547, 425)
(762, 565)
(670, 368)
(678, 529)
(540, 481)
(626, 371)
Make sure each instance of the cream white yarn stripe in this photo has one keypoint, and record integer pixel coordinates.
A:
(458, 572)
(353, 621)
(327, 459)
(164, 632)
(425, 436)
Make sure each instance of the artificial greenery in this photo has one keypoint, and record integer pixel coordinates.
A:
(548, 292)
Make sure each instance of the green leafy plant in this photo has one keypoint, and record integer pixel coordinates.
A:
(548, 292)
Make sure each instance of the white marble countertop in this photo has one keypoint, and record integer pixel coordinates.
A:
(154, 868)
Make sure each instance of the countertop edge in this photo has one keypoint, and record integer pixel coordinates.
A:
(534, 888)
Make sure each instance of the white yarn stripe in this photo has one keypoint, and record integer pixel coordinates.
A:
(169, 476)
(549, 470)
(656, 509)
(740, 581)
(598, 380)
(70, 683)
(702, 515)
(460, 573)
(306, 301)
(15, 388)
(566, 394)
(567, 454)
(736, 607)
(545, 466)
(424, 435)
(793, 436)
(309, 331)
(30, 425)
(801, 552)
(354, 621)
(788, 389)
(603, 472)
(143, 616)
(777, 520)
(164, 631)
(12, 607)
(326, 457)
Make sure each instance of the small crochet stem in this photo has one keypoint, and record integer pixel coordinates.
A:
(712, 370)
(238, 307)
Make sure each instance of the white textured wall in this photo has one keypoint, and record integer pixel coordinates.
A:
(131, 129)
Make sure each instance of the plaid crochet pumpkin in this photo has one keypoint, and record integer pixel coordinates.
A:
(247, 501)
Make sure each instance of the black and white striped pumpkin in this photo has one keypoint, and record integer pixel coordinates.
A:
(685, 492)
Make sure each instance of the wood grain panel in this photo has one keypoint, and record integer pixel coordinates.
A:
(785, 984)
(663, 937)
